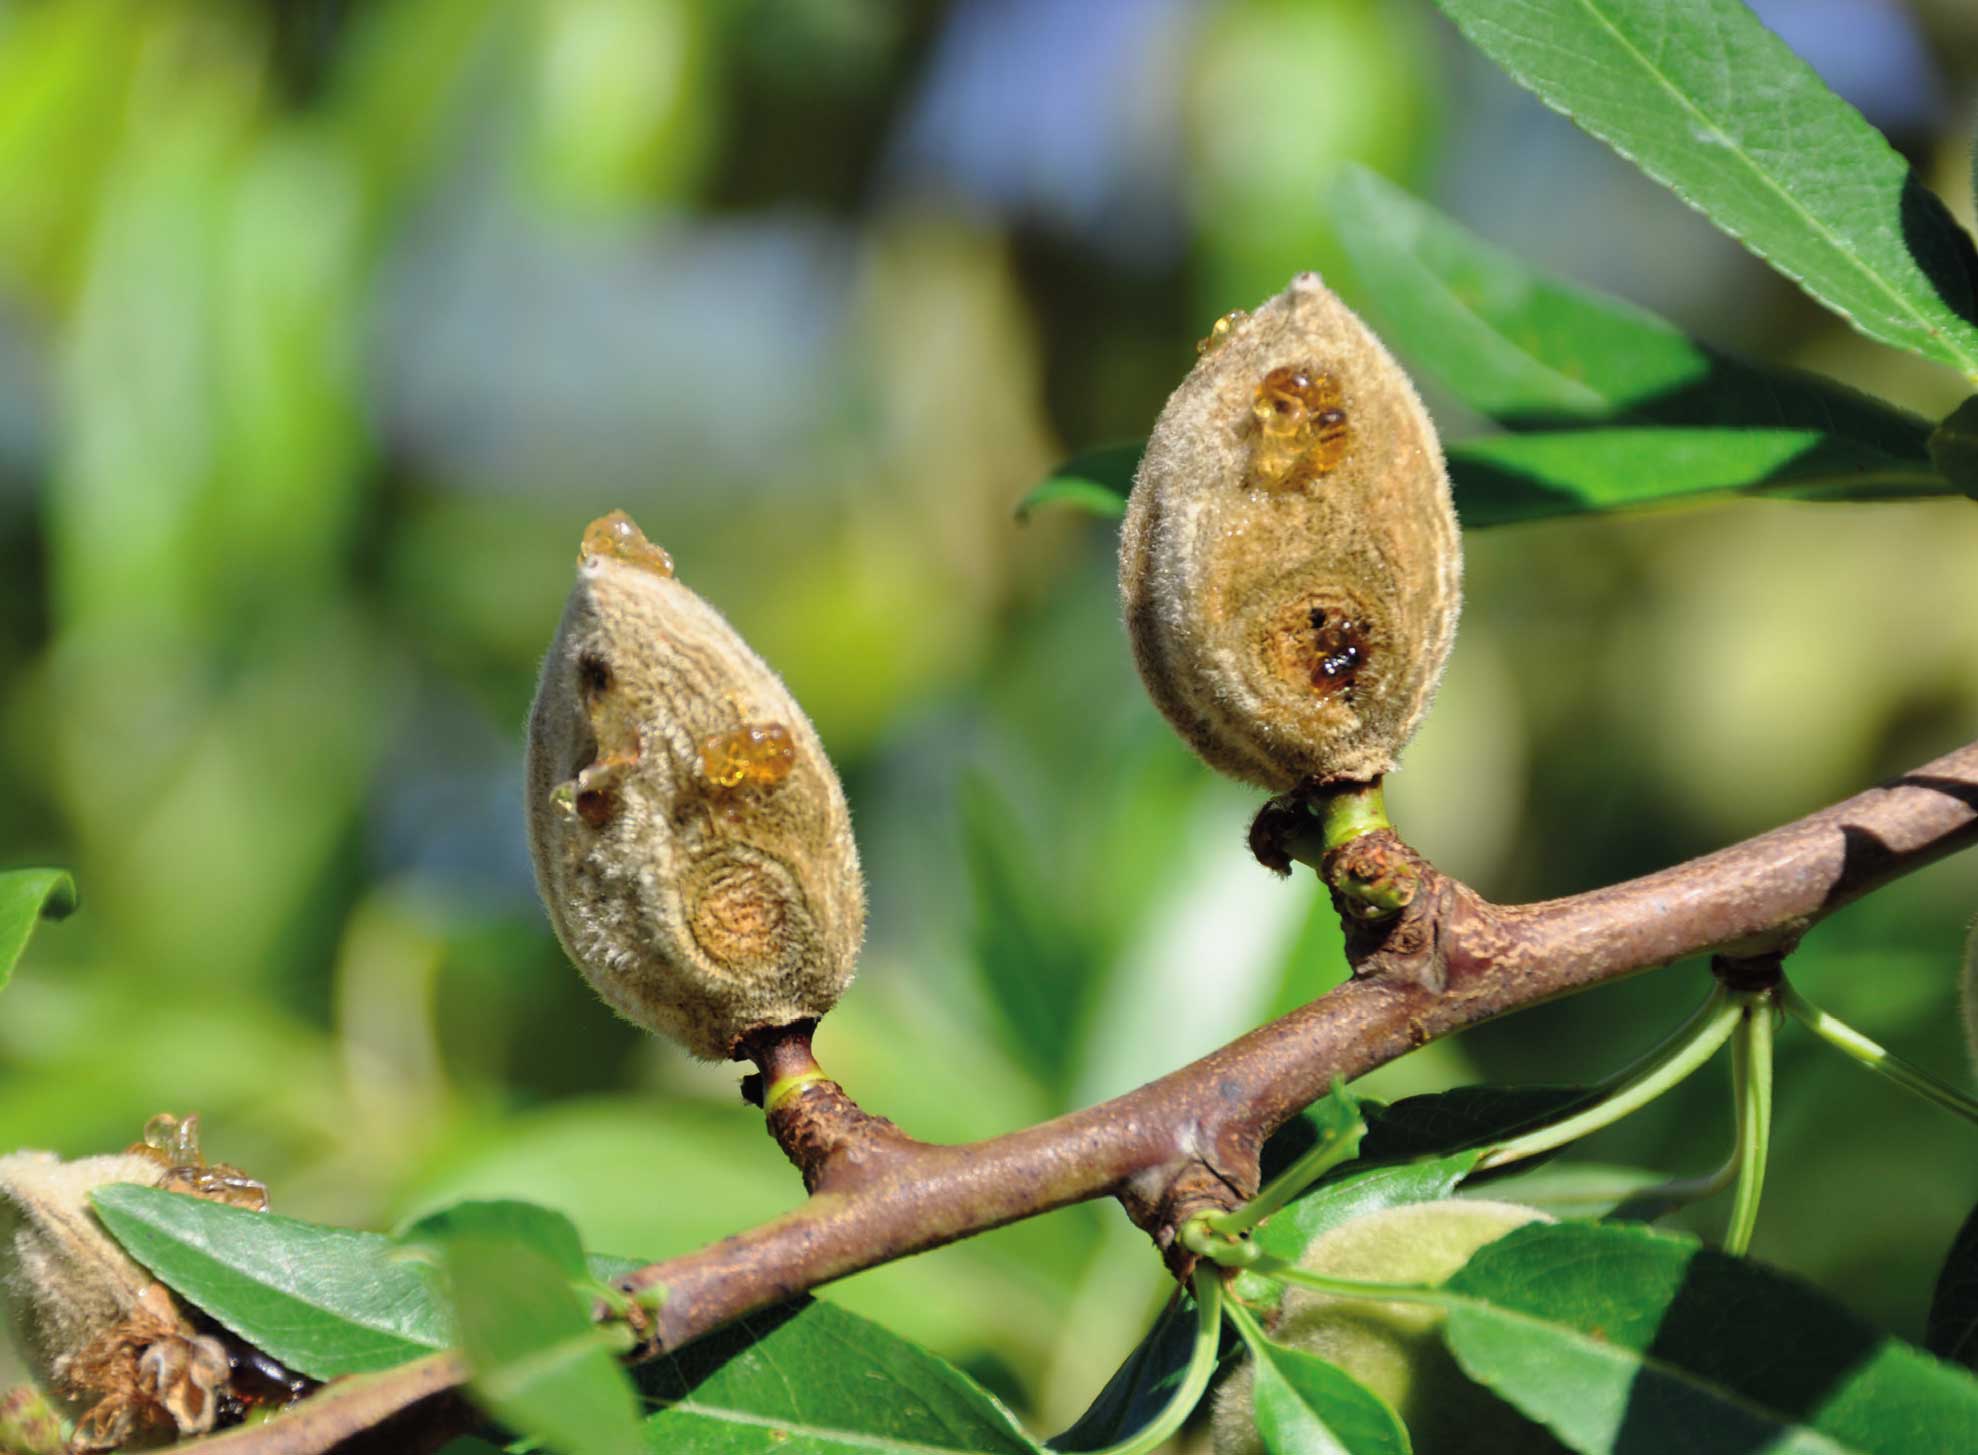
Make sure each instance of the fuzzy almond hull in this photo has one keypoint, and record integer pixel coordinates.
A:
(690, 839)
(1290, 567)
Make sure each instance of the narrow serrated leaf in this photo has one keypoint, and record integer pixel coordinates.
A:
(1620, 1338)
(526, 1224)
(1141, 1387)
(28, 896)
(1305, 1406)
(1706, 100)
(539, 1365)
(1096, 481)
(811, 1377)
(609, 1267)
(1510, 478)
(1954, 447)
(326, 1301)
(1030, 956)
(1464, 1116)
(1584, 1190)
(1348, 1195)
(1335, 1118)
(1503, 479)
(1952, 1332)
(1529, 349)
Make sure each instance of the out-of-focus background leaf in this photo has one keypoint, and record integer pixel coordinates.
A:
(326, 326)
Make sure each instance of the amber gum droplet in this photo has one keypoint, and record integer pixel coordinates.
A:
(618, 537)
(759, 754)
(173, 1138)
(1219, 331)
(1302, 428)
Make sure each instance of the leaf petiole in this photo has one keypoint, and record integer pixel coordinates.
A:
(1208, 1289)
(1751, 1075)
(1666, 1068)
(1337, 1146)
(1844, 1037)
(1343, 1287)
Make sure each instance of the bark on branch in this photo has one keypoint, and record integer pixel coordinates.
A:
(1191, 1140)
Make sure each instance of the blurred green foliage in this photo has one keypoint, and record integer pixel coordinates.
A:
(324, 328)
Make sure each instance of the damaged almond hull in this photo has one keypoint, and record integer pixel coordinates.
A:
(691, 840)
(1290, 567)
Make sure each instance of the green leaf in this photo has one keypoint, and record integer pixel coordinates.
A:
(539, 1364)
(1502, 479)
(1464, 1116)
(327, 1301)
(1141, 1387)
(1337, 1116)
(27, 896)
(1306, 1406)
(1096, 481)
(811, 1378)
(1584, 1190)
(1852, 454)
(1031, 958)
(507, 1220)
(1510, 478)
(1954, 447)
(1952, 1332)
(609, 1267)
(1620, 1338)
(1345, 1197)
(1527, 349)
(1702, 97)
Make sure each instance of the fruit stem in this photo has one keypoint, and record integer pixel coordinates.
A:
(785, 1087)
(1208, 1288)
(1751, 1076)
(1665, 1069)
(1347, 812)
(785, 1064)
(1845, 1037)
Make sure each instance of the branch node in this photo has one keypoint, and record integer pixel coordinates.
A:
(1749, 973)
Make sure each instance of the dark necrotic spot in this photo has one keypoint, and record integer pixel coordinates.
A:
(593, 675)
(596, 806)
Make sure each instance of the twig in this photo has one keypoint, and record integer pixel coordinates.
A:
(1189, 1142)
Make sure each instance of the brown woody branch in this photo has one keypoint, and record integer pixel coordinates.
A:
(1190, 1141)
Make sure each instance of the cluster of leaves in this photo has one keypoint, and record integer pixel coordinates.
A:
(1603, 1332)
(1604, 406)
(1607, 1333)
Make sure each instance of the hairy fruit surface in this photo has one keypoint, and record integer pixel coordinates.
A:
(1394, 1348)
(1290, 566)
(690, 838)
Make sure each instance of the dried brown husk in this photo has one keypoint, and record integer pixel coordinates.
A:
(104, 1337)
(691, 840)
(1293, 624)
